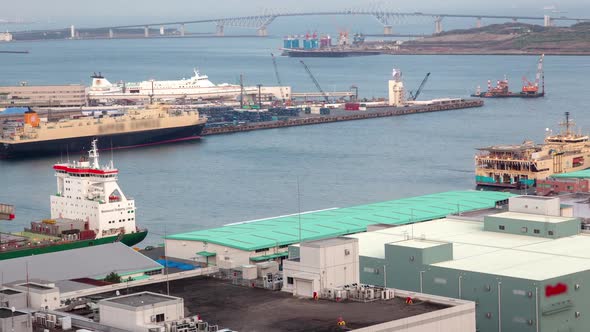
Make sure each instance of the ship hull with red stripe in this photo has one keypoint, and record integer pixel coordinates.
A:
(79, 144)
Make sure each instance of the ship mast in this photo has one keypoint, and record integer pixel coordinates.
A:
(93, 154)
(567, 123)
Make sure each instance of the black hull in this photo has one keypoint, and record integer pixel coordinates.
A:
(328, 54)
(105, 142)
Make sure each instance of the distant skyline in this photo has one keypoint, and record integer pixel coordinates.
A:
(111, 11)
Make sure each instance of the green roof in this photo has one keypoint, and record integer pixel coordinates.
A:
(269, 257)
(281, 231)
(583, 174)
(206, 253)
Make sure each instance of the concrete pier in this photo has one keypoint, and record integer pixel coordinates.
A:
(162, 30)
(182, 30)
(111, 33)
(146, 31)
(478, 23)
(387, 30)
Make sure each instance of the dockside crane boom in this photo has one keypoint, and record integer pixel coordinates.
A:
(317, 85)
(274, 63)
(415, 96)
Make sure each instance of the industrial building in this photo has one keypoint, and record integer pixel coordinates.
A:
(141, 312)
(526, 269)
(73, 95)
(321, 264)
(15, 321)
(79, 269)
(243, 243)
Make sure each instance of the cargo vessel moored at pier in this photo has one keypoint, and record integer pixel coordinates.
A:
(33, 136)
(88, 209)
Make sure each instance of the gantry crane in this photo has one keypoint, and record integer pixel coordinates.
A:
(317, 85)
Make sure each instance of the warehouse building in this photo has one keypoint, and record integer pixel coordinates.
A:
(527, 269)
(43, 95)
(245, 243)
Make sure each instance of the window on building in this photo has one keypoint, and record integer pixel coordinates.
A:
(262, 250)
(524, 229)
(536, 231)
(159, 318)
(290, 280)
(550, 233)
(501, 227)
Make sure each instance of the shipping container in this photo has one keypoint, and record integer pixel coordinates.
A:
(352, 106)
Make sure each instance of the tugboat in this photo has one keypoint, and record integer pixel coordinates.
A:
(519, 166)
(529, 89)
(88, 209)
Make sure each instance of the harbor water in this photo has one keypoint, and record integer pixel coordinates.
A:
(244, 176)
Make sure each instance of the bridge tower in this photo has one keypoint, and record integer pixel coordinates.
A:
(262, 31)
(219, 30)
(438, 28)
(547, 21)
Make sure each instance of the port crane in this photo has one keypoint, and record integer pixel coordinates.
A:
(415, 96)
(533, 88)
(317, 85)
(274, 63)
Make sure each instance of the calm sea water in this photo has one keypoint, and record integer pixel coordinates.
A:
(223, 179)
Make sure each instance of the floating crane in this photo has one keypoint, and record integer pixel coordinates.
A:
(415, 96)
(317, 85)
(274, 63)
(533, 88)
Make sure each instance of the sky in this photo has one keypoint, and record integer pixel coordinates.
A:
(114, 11)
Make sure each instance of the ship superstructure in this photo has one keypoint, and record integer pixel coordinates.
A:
(89, 208)
(518, 166)
(195, 85)
(89, 191)
(135, 127)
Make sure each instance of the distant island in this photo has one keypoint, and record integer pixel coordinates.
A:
(507, 38)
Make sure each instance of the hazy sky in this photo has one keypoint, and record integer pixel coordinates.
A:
(109, 10)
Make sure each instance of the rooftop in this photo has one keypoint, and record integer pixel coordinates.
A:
(7, 313)
(252, 309)
(583, 174)
(476, 250)
(284, 230)
(93, 262)
(7, 291)
(141, 299)
(336, 241)
(420, 244)
(532, 217)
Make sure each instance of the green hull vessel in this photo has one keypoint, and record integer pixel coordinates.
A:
(128, 239)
